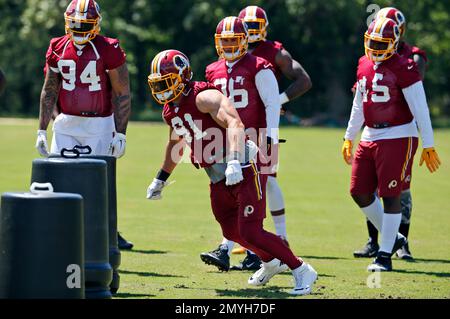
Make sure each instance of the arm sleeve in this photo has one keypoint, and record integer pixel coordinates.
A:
(417, 102)
(267, 86)
(356, 120)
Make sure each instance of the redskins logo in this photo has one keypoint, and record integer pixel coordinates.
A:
(180, 63)
(408, 179)
(392, 184)
(248, 210)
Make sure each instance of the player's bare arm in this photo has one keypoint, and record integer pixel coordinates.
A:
(293, 70)
(121, 97)
(223, 112)
(421, 64)
(49, 97)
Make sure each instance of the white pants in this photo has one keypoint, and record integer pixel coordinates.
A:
(100, 145)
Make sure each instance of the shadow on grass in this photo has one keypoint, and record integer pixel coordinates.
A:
(269, 292)
(147, 274)
(148, 252)
(430, 273)
(129, 295)
(442, 261)
(324, 257)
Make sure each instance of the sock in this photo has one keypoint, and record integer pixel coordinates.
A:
(373, 232)
(280, 225)
(374, 213)
(404, 229)
(391, 223)
(229, 244)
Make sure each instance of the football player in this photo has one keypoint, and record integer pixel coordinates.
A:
(419, 56)
(284, 65)
(200, 116)
(87, 77)
(389, 100)
(250, 83)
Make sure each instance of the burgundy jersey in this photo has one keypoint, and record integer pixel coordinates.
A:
(383, 102)
(238, 84)
(408, 51)
(86, 88)
(205, 137)
(268, 50)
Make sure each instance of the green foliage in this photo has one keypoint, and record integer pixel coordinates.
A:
(325, 36)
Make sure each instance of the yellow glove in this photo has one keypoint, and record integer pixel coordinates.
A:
(347, 151)
(431, 158)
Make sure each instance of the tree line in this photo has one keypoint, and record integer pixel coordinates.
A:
(326, 37)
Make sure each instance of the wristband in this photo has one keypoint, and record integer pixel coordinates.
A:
(283, 98)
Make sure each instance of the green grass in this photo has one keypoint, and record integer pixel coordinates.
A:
(324, 225)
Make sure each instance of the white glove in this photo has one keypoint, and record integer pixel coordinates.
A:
(155, 189)
(117, 147)
(233, 173)
(41, 143)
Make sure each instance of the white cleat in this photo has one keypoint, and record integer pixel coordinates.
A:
(266, 272)
(304, 276)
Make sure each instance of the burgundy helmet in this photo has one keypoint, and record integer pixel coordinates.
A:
(231, 38)
(170, 74)
(396, 15)
(82, 20)
(257, 23)
(381, 39)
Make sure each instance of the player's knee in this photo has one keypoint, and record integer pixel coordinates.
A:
(363, 200)
(392, 204)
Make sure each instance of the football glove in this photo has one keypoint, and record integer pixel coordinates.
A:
(431, 159)
(118, 144)
(347, 148)
(233, 173)
(41, 143)
(154, 190)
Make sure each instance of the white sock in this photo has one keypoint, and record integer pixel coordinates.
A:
(274, 195)
(374, 213)
(391, 223)
(229, 244)
(280, 225)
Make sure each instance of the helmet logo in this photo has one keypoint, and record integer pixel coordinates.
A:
(180, 63)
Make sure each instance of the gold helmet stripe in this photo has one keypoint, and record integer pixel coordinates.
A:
(156, 62)
(250, 12)
(379, 25)
(81, 9)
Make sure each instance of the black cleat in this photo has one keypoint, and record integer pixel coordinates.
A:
(383, 262)
(368, 251)
(400, 242)
(122, 243)
(218, 258)
(250, 262)
(404, 253)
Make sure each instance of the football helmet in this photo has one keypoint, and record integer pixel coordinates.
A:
(257, 23)
(231, 38)
(396, 15)
(169, 75)
(381, 39)
(82, 20)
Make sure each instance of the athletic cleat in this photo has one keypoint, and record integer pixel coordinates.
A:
(383, 262)
(404, 253)
(266, 272)
(400, 242)
(304, 276)
(250, 262)
(368, 251)
(239, 251)
(218, 258)
(122, 243)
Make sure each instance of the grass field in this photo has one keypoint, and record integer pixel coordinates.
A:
(324, 225)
